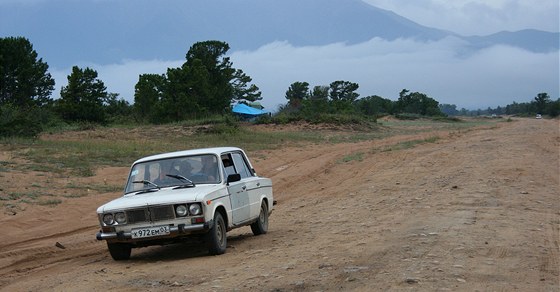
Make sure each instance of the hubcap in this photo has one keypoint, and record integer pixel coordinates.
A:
(262, 217)
(219, 233)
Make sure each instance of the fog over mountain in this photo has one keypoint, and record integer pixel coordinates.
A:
(279, 42)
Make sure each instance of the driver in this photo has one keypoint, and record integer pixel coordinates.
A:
(164, 170)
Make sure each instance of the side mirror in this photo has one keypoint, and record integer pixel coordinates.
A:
(233, 178)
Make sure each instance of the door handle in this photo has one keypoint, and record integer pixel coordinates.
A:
(258, 184)
(244, 187)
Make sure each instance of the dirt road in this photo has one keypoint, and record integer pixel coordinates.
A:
(475, 210)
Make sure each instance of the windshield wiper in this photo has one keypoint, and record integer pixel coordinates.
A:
(190, 183)
(147, 182)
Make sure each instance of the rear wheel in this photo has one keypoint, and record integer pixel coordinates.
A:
(216, 238)
(261, 225)
(119, 251)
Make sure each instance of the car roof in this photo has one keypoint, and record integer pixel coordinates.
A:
(214, 151)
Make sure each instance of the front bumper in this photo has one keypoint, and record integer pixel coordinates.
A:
(175, 231)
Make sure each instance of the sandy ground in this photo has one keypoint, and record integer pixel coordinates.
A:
(477, 210)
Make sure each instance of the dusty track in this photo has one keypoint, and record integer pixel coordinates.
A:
(478, 210)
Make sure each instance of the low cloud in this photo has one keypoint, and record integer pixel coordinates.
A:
(445, 70)
(477, 17)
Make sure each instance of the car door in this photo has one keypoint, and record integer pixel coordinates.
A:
(239, 197)
(252, 183)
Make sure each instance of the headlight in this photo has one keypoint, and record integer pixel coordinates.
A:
(108, 219)
(195, 209)
(120, 218)
(181, 210)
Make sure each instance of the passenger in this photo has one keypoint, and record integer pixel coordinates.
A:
(161, 176)
(165, 168)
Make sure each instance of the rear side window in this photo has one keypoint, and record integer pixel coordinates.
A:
(241, 165)
(235, 163)
(227, 161)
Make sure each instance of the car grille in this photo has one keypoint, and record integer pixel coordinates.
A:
(150, 214)
(162, 213)
(135, 216)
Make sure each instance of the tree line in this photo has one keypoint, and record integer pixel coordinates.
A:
(206, 84)
(541, 104)
(340, 97)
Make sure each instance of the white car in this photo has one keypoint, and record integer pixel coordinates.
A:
(195, 193)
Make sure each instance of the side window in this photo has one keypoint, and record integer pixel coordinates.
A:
(228, 164)
(241, 165)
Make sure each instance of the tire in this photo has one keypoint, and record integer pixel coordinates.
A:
(216, 238)
(261, 225)
(119, 251)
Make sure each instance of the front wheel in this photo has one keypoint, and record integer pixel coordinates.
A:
(216, 238)
(261, 225)
(119, 251)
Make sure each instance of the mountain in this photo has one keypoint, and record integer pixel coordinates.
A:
(145, 30)
(529, 39)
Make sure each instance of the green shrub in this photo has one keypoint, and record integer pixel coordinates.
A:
(445, 119)
(21, 122)
(229, 126)
(407, 116)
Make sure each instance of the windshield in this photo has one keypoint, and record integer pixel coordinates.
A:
(197, 169)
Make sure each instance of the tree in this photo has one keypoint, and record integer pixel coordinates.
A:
(342, 94)
(205, 84)
(449, 109)
(316, 101)
(296, 93)
(24, 80)
(206, 60)
(179, 98)
(374, 105)
(344, 91)
(320, 93)
(82, 99)
(553, 108)
(242, 90)
(116, 108)
(188, 93)
(417, 103)
(541, 101)
(147, 94)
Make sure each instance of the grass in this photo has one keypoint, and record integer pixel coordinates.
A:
(358, 156)
(408, 144)
(4, 166)
(99, 188)
(80, 157)
(32, 197)
(437, 124)
(50, 202)
(73, 152)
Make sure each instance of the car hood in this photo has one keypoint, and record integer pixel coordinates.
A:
(164, 196)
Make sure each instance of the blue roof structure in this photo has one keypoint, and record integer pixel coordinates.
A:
(246, 110)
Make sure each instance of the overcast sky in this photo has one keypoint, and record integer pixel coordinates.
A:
(491, 77)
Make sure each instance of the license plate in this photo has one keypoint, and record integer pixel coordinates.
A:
(150, 231)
